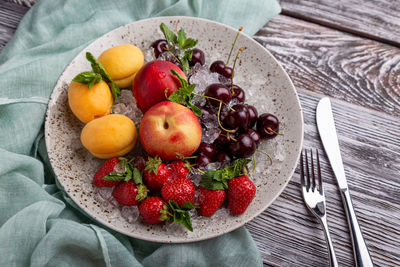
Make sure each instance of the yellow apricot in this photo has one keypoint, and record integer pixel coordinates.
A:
(110, 136)
(122, 62)
(89, 104)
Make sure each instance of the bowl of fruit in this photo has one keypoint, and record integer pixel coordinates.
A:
(174, 129)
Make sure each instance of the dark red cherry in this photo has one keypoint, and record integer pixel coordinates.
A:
(207, 149)
(221, 141)
(238, 94)
(267, 125)
(253, 115)
(159, 46)
(254, 135)
(223, 157)
(244, 146)
(197, 57)
(202, 161)
(218, 91)
(220, 67)
(239, 118)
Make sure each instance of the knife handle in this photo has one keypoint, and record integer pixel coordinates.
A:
(361, 253)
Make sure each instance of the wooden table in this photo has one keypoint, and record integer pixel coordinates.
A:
(350, 51)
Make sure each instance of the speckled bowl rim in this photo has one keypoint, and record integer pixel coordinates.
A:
(228, 229)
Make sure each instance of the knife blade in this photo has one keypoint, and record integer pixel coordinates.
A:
(327, 132)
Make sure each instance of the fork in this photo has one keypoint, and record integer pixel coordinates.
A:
(314, 197)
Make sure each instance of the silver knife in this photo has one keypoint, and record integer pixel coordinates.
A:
(327, 132)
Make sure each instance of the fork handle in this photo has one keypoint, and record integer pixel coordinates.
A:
(331, 252)
(361, 254)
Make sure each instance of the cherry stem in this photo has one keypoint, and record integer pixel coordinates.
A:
(265, 153)
(216, 99)
(176, 26)
(233, 45)
(234, 64)
(169, 51)
(269, 129)
(200, 171)
(254, 164)
(132, 159)
(219, 121)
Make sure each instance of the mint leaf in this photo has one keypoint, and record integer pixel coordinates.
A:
(196, 110)
(181, 37)
(87, 78)
(114, 176)
(169, 35)
(187, 56)
(137, 176)
(189, 43)
(181, 214)
(115, 90)
(208, 182)
(238, 165)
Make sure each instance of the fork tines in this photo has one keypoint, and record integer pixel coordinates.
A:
(310, 182)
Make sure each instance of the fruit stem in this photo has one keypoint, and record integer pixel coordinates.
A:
(269, 129)
(169, 51)
(132, 159)
(219, 121)
(233, 45)
(254, 164)
(176, 26)
(265, 153)
(200, 171)
(216, 99)
(234, 64)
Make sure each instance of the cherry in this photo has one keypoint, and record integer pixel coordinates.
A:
(202, 161)
(218, 91)
(223, 157)
(244, 146)
(239, 118)
(206, 149)
(220, 67)
(159, 46)
(238, 94)
(221, 141)
(197, 57)
(253, 114)
(254, 135)
(267, 125)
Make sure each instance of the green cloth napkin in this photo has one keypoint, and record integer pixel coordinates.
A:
(40, 225)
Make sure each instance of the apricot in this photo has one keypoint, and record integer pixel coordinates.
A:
(122, 62)
(110, 136)
(89, 104)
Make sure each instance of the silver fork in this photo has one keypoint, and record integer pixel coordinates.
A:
(314, 197)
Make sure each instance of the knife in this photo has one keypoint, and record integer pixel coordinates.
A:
(327, 132)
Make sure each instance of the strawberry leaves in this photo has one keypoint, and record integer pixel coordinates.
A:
(184, 94)
(218, 179)
(87, 78)
(152, 164)
(99, 69)
(181, 214)
(181, 44)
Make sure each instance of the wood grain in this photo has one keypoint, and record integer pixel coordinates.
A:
(288, 235)
(10, 16)
(319, 59)
(375, 19)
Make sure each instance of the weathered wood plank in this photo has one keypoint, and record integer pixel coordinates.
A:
(376, 19)
(10, 16)
(287, 235)
(340, 65)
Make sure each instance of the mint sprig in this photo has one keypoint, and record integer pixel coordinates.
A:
(181, 214)
(98, 68)
(184, 94)
(218, 179)
(88, 78)
(182, 45)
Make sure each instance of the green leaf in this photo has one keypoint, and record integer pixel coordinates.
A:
(114, 176)
(189, 43)
(181, 215)
(181, 37)
(238, 165)
(97, 67)
(137, 176)
(181, 79)
(87, 78)
(169, 35)
(115, 90)
(187, 206)
(211, 184)
(196, 110)
(128, 174)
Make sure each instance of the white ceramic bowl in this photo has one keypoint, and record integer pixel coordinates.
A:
(267, 87)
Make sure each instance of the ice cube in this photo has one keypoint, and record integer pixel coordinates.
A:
(209, 135)
(130, 213)
(105, 192)
(149, 55)
(202, 77)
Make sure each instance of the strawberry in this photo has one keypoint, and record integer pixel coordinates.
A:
(105, 169)
(156, 173)
(180, 190)
(128, 193)
(241, 192)
(210, 200)
(154, 210)
(179, 169)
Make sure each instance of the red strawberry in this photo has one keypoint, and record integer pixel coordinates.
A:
(104, 170)
(129, 194)
(156, 174)
(210, 200)
(154, 210)
(241, 192)
(180, 190)
(179, 169)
